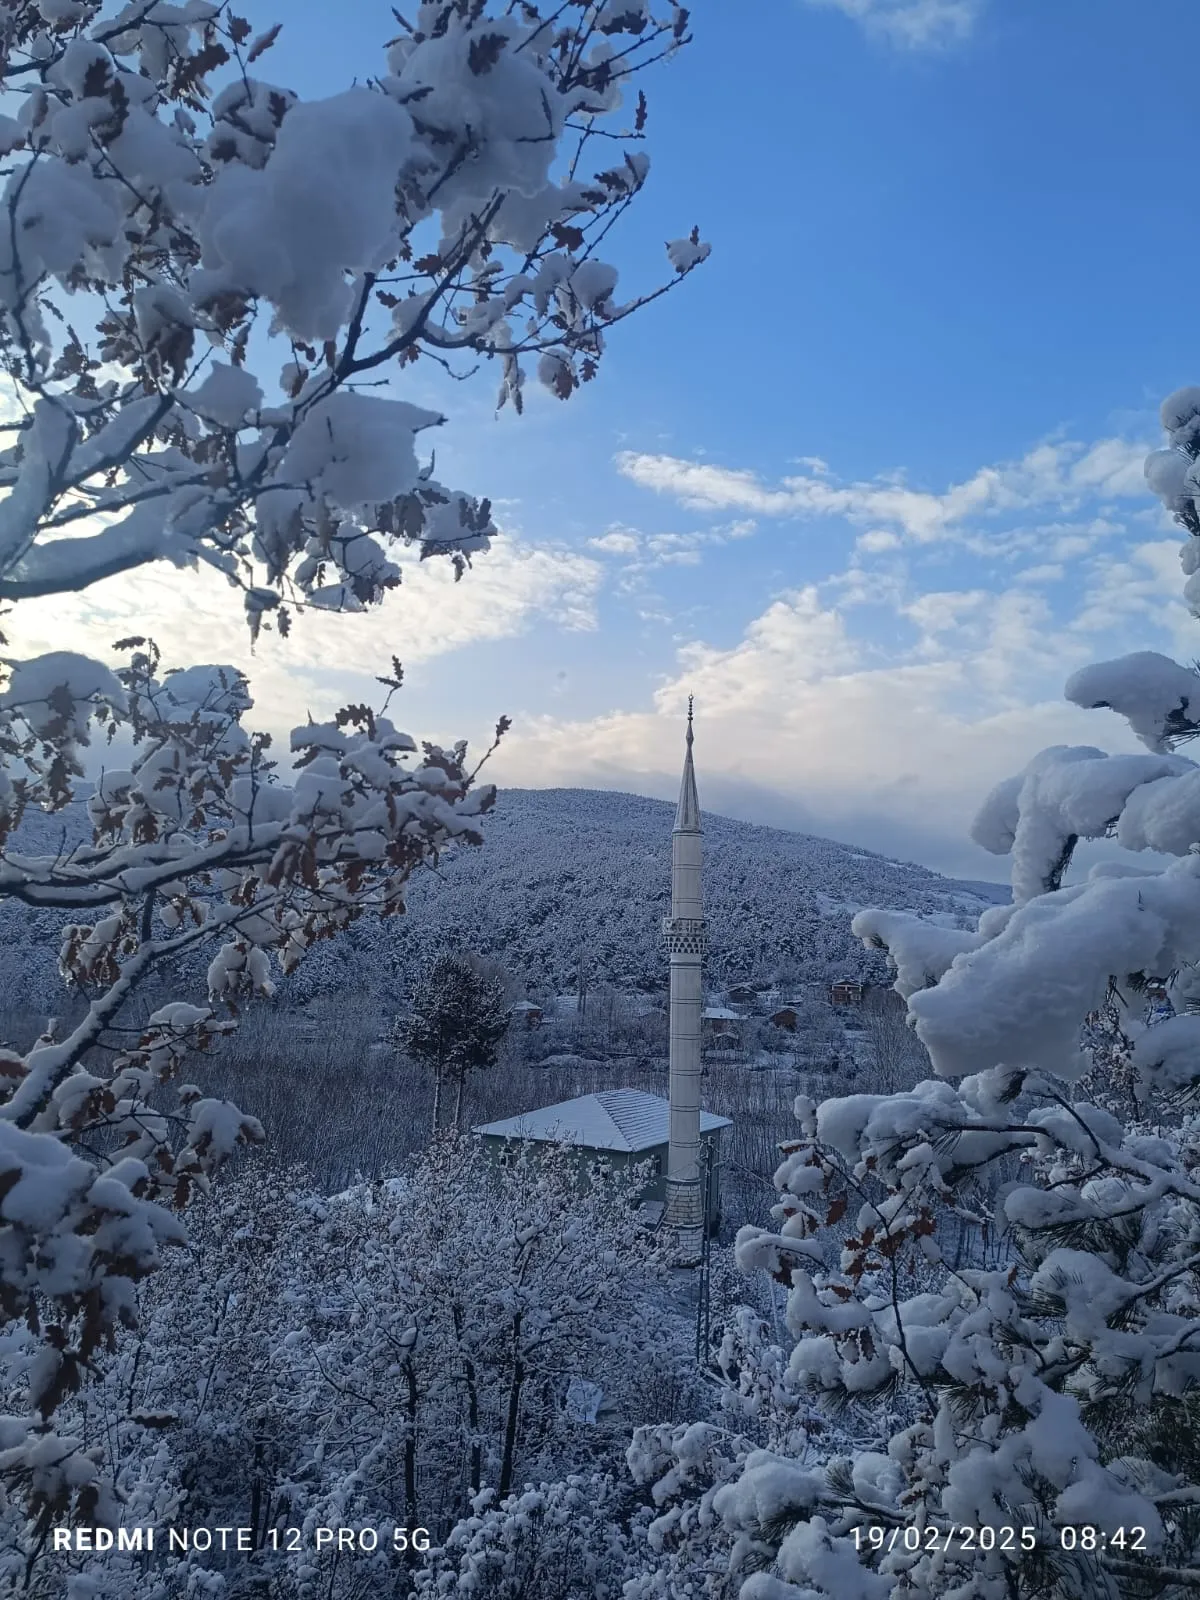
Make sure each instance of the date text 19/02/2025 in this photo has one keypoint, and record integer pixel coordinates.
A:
(966, 1540)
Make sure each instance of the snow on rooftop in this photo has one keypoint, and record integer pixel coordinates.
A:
(614, 1119)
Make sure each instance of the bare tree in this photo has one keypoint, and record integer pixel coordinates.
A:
(898, 1058)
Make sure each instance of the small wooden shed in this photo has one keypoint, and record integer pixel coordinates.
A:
(719, 1020)
(846, 992)
(742, 995)
(626, 1126)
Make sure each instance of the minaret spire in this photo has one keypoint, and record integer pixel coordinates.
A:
(687, 813)
(684, 932)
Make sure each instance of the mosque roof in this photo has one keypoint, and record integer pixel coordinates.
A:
(614, 1119)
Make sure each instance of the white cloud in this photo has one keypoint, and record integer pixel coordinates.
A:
(878, 540)
(894, 745)
(887, 757)
(918, 24)
(1048, 572)
(795, 640)
(1143, 587)
(616, 542)
(942, 612)
(651, 550)
(195, 617)
(1060, 474)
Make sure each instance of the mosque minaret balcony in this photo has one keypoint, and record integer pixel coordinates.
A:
(685, 936)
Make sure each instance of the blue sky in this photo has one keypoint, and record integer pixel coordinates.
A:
(868, 483)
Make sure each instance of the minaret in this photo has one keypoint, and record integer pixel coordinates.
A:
(684, 932)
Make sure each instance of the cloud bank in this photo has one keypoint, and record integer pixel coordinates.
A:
(1064, 474)
(193, 616)
(880, 704)
(913, 24)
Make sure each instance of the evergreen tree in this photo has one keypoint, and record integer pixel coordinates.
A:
(458, 1019)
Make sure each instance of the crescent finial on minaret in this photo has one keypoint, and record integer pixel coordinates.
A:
(689, 727)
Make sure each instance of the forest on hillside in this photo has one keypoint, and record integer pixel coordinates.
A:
(555, 914)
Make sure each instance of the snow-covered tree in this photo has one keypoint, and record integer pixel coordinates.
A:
(474, 1292)
(209, 292)
(458, 1016)
(403, 1354)
(197, 1441)
(548, 1541)
(994, 1277)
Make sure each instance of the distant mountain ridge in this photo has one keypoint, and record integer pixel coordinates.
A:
(574, 883)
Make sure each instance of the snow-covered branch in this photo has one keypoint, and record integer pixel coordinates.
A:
(424, 212)
(993, 1277)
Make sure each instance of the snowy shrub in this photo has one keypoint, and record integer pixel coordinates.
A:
(170, 213)
(549, 1541)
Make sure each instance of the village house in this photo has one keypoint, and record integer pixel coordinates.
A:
(624, 1127)
(742, 995)
(719, 1021)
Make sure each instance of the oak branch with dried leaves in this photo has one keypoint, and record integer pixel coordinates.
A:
(173, 229)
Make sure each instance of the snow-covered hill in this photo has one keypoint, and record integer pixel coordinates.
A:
(576, 874)
(579, 877)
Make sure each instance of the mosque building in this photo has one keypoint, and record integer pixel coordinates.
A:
(681, 1142)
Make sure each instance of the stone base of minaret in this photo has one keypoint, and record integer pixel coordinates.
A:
(683, 1224)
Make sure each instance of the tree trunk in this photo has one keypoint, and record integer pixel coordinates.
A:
(472, 1403)
(410, 1454)
(458, 1101)
(437, 1099)
(256, 1489)
(508, 1461)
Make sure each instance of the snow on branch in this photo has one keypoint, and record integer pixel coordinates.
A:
(1157, 697)
(448, 208)
(996, 1269)
(198, 842)
(1070, 793)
